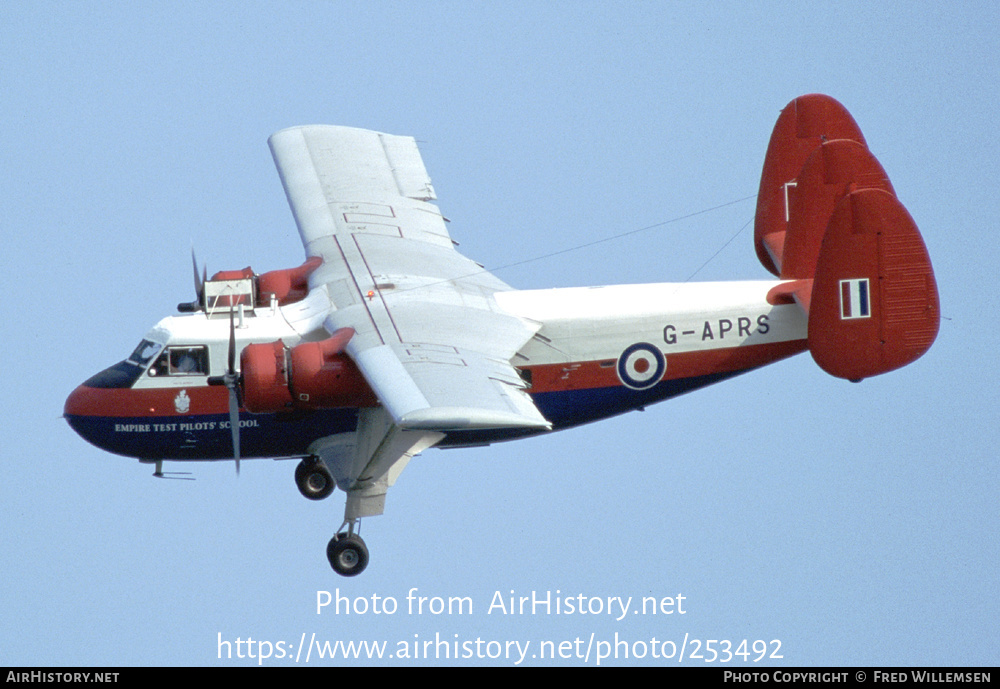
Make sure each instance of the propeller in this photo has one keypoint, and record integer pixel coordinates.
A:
(231, 379)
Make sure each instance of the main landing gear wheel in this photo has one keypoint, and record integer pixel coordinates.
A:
(314, 479)
(348, 554)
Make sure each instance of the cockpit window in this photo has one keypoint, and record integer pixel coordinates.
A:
(181, 361)
(144, 353)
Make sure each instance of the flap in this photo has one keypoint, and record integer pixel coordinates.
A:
(467, 391)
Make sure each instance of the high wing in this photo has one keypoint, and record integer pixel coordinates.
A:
(429, 337)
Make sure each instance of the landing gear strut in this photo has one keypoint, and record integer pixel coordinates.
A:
(314, 479)
(347, 553)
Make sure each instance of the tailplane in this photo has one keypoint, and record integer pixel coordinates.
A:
(828, 223)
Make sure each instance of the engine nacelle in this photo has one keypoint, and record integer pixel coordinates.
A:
(311, 375)
(289, 285)
(264, 373)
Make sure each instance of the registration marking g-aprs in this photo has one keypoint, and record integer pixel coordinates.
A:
(641, 366)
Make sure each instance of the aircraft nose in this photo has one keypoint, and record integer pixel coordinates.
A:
(79, 405)
(91, 413)
(104, 394)
(75, 403)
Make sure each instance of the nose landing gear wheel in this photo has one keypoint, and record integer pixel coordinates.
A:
(348, 554)
(314, 479)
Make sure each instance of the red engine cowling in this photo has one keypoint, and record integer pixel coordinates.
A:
(265, 375)
(289, 285)
(311, 375)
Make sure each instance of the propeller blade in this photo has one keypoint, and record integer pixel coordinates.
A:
(232, 381)
(232, 342)
(234, 425)
(199, 288)
(199, 279)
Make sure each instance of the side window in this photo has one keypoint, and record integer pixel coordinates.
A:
(181, 361)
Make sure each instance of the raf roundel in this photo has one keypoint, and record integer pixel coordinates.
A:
(641, 366)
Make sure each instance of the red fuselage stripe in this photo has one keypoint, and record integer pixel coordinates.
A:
(603, 373)
(201, 399)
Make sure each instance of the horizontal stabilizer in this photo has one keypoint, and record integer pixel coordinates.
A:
(874, 303)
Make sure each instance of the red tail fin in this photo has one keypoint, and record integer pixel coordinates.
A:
(804, 125)
(874, 304)
(829, 222)
(832, 171)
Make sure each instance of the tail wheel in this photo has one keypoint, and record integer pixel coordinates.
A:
(314, 479)
(348, 554)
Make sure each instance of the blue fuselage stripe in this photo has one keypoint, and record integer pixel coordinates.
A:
(207, 436)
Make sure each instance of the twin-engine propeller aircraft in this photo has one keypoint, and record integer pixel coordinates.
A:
(387, 341)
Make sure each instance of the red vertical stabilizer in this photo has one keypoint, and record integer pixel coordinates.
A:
(829, 223)
(803, 126)
(832, 171)
(874, 303)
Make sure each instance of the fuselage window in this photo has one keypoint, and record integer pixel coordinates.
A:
(181, 361)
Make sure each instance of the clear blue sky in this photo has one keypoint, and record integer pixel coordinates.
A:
(854, 523)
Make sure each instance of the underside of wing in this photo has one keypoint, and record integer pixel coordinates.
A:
(447, 389)
(429, 339)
